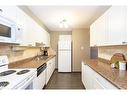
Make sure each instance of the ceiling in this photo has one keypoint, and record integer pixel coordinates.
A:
(76, 16)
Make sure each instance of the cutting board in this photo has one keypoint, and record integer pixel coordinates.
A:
(117, 57)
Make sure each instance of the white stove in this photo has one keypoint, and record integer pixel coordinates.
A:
(15, 78)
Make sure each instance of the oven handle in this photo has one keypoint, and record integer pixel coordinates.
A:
(25, 82)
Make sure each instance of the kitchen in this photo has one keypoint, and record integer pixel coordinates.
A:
(63, 47)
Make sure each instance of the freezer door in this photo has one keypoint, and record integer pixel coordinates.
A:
(64, 61)
(64, 45)
(65, 37)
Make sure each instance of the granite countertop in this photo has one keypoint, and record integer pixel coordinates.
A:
(117, 77)
(30, 62)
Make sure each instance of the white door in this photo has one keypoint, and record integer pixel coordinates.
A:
(64, 61)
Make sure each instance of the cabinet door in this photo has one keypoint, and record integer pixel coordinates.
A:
(110, 28)
(92, 36)
(21, 23)
(102, 83)
(48, 74)
(83, 73)
(99, 31)
(102, 32)
(88, 77)
(53, 65)
(116, 25)
(95, 33)
(50, 69)
(93, 80)
(10, 12)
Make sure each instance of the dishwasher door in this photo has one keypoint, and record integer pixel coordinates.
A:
(40, 81)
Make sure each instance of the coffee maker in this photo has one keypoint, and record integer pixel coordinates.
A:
(45, 51)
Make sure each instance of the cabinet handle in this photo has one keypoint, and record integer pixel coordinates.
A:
(1, 10)
(19, 29)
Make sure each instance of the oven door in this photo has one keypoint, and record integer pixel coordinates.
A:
(27, 83)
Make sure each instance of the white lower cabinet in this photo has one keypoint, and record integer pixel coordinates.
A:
(87, 76)
(93, 80)
(50, 69)
(101, 83)
(44, 73)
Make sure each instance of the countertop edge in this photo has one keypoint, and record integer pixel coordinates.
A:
(18, 64)
(85, 62)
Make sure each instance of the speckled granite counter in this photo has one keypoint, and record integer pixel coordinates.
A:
(30, 62)
(117, 77)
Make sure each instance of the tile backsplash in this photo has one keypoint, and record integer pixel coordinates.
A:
(22, 53)
(18, 55)
(108, 51)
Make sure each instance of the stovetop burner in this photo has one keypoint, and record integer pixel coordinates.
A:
(4, 73)
(22, 72)
(3, 84)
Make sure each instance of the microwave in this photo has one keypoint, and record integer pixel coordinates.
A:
(8, 30)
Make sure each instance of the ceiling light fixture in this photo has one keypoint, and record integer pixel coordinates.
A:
(63, 24)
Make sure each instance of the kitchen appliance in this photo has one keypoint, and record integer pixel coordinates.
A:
(15, 78)
(40, 81)
(64, 53)
(45, 51)
(8, 30)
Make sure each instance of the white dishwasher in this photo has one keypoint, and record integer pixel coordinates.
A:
(40, 81)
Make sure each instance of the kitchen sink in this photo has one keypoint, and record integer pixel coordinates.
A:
(41, 58)
(44, 57)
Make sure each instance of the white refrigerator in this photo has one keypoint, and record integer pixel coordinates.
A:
(64, 56)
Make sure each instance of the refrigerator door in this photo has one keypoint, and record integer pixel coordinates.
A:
(64, 61)
(64, 45)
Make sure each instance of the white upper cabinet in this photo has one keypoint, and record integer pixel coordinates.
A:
(21, 23)
(99, 32)
(31, 31)
(117, 25)
(110, 28)
(93, 34)
(9, 12)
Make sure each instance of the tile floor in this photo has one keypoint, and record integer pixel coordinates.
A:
(65, 81)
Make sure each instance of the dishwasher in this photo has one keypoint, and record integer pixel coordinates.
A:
(40, 81)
